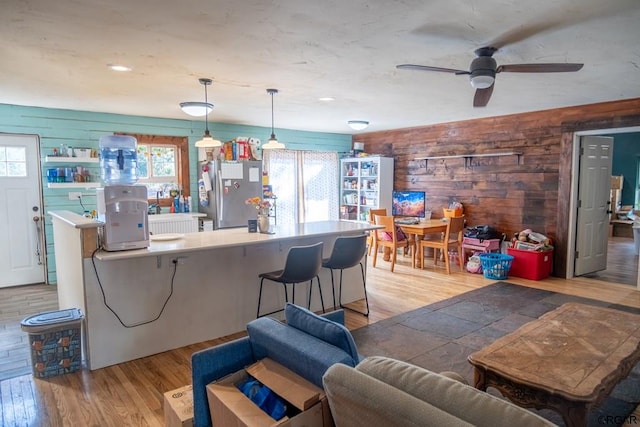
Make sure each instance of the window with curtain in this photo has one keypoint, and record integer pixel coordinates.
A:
(305, 184)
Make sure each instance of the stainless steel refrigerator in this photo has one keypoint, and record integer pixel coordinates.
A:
(224, 188)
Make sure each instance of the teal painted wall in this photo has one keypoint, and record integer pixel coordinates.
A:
(83, 129)
(626, 153)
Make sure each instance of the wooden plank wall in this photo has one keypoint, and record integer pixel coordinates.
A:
(508, 193)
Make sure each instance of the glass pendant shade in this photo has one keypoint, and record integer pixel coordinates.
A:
(207, 140)
(273, 142)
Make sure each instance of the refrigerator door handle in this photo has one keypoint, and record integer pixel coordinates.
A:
(220, 194)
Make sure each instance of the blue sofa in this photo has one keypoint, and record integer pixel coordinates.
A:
(307, 344)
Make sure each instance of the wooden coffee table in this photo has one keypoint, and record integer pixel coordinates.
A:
(568, 360)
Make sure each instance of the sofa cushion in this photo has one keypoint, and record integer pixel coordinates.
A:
(302, 353)
(358, 400)
(321, 328)
(467, 403)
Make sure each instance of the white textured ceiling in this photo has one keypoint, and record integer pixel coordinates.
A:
(54, 54)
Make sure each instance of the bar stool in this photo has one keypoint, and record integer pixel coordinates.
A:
(347, 252)
(303, 264)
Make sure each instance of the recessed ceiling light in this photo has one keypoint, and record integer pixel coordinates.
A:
(326, 99)
(116, 67)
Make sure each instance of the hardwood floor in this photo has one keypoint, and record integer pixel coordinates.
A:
(15, 305)
(132, 393)
(622, 263)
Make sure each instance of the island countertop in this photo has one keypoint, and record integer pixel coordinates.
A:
(230, 237)
(198, 287)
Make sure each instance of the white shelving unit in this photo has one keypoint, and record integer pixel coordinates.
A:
(365, 183)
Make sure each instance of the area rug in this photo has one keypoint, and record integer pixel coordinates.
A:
(440, 336)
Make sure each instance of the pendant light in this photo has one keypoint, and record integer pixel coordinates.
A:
(273, 142)
(207, 141)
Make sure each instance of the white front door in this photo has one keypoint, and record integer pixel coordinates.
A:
(21, 253)
(594, 186)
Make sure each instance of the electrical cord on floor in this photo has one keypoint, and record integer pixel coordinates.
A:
(104, 297)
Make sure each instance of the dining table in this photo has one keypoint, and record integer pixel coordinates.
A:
(417, 231)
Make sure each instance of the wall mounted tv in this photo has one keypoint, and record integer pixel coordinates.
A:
(408, 203)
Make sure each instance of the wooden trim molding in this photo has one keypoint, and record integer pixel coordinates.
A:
(182, 142)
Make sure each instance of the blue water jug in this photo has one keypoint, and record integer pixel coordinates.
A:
(118, 159)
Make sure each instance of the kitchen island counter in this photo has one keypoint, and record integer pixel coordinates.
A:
(230, 237)
(195, 288)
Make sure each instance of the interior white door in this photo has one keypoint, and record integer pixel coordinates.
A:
(21, 251)
(594, 186)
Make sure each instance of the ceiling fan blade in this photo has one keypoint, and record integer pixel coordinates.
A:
(482, 96)
(428, 68)
(539, 68)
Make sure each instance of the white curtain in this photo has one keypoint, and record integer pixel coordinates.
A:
(305, 184)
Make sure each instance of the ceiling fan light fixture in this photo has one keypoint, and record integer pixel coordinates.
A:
(358, 124)
(207, 140)
(196, 108)
(481, 81)
(273, 142)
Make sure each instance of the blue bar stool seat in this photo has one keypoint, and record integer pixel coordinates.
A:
(347, 252)
(303, 264)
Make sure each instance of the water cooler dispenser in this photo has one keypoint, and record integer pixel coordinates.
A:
(118, 159)
(121, 205)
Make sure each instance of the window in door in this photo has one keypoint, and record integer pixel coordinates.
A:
(13, 161)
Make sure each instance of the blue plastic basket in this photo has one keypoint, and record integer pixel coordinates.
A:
(496, 266)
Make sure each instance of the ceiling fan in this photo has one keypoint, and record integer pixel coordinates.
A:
(483, 70)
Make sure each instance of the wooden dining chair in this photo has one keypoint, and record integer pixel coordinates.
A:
(372, 213)
(451, 238)
(388, 238)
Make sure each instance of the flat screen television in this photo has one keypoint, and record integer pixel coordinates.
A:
(408, 203)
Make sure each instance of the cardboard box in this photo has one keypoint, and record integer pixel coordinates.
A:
(178, 407)
(532, 265)
(616, 182)
(230, 407)
(452, 213)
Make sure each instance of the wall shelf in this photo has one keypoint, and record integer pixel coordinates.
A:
(61, 159)
(468, 157)
(73, 184)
